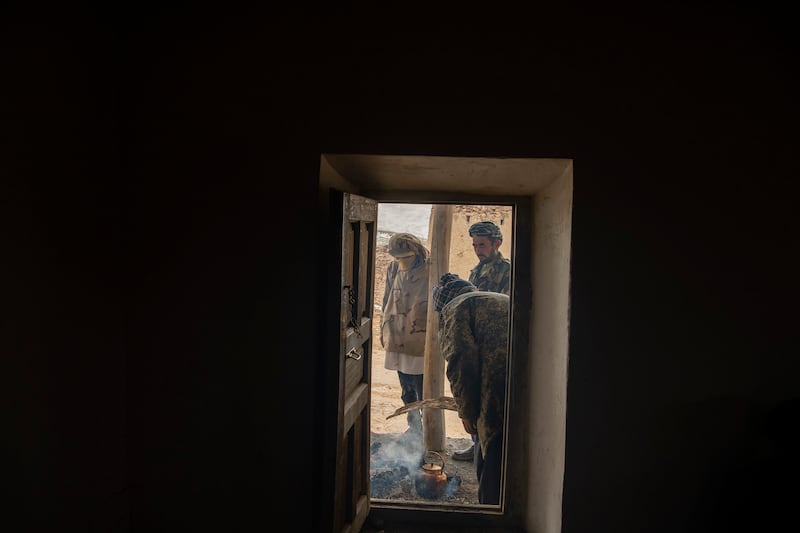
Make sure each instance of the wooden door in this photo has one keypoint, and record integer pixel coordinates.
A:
(359, 235)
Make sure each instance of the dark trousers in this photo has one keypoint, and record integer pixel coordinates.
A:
(411, 391)
(488, 470)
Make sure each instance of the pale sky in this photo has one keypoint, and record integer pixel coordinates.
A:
(405, 218)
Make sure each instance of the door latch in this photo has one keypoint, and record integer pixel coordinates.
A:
(354, 354)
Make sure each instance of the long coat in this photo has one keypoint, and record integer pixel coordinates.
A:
(404, 314)
(473, 337)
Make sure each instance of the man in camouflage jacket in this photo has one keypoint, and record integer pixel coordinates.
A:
(493, 271)
(473, 339)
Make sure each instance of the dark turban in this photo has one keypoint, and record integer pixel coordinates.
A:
(485, 229)
(450, 286)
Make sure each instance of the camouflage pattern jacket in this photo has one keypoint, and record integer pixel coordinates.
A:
(404, 314)
(494, 276)
(473, 338)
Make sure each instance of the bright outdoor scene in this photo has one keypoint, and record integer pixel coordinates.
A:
(396, 456)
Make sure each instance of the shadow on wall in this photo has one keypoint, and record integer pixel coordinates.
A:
(755, 485)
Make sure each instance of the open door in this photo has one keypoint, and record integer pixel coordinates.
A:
(359, 232)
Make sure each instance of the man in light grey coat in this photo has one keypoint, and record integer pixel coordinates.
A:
(404, 319)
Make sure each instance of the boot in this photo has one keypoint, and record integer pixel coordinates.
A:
(414, 422)
(467, 454)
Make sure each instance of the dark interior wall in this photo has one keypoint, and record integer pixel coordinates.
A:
(161, 193)
(62, 370)
(223, 196)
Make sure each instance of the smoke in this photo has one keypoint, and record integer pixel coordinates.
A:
(394, 465)
(406, 449)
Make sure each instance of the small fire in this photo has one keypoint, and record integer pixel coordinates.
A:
(394, 468)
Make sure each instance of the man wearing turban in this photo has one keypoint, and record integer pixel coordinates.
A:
(404, 319)
(492, 273)
(473, 339)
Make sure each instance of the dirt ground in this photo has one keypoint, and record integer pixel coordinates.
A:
(390, 448)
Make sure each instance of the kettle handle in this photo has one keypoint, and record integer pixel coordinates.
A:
(441, 458)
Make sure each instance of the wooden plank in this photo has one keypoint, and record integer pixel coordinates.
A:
(352, 338)
(354, 376)
(352, 485)
(360, 516)
(355, 403)
(362, 510)
(439, 234)
(360, 208)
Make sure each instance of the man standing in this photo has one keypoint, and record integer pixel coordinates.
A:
(404, 319)
(473, 339)
(492, 273)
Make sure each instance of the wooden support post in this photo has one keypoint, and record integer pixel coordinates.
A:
(439, 233)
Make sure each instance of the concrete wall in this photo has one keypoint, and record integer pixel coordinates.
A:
(547, 380)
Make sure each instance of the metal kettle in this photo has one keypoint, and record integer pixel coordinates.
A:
(431, 481)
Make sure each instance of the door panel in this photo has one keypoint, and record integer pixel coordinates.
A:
(359, 233)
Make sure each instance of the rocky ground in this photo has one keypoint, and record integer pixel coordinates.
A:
(397, 461)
